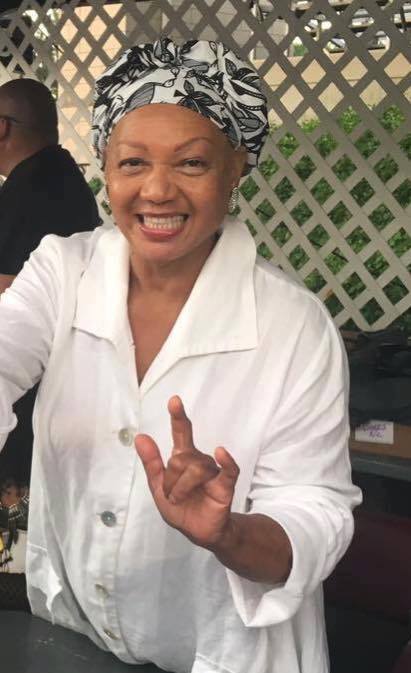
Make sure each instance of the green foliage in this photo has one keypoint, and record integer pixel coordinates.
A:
(298, 257)
(265, 211)
(400, 242)
(353, 285)
(268, 167)
(322, 191)
(251, 228)
(403, 193)
(333, 304)
(385, 168)
(318, 237)
(405, 145)
(264, 251)
(326, 144)
(287, 145)
(335, 261)
(284, 190)
(349, 119)
(376, 264)
(305, 167)
(249, 188)
(314, 281)
(309, 125)
(381, 216)
(395, 290)
(358, 239)
(281, 234)
(96, 185)
(371, 311)
(367, 144)
(392, 118)
(339, 215)
(299, 49)
(344, 167)
(301, 213)
(362, 192)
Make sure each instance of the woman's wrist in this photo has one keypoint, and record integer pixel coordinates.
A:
(255, 547)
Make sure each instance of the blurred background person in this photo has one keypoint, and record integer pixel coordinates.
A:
(44, 192)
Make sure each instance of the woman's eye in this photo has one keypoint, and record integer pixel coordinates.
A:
(132, 163)
(194, 162)
(194, 165)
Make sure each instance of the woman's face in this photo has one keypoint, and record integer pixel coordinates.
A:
(169, 174)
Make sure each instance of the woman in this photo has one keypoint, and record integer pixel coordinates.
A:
(204, 550)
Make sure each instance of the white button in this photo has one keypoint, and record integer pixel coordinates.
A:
(110, 634)
(102, 590)
(108, 518)
(126, 436)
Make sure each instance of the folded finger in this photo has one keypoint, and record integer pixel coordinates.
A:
(193, 477)
(174, 469)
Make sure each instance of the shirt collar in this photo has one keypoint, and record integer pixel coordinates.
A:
(219, 315)
(101, 306)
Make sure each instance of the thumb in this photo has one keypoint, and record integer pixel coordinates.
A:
(152, 461)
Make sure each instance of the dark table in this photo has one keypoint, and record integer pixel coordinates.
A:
(31, 645)
(381, 465)
(385, 482)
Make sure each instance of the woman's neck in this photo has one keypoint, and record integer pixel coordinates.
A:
(173, 279)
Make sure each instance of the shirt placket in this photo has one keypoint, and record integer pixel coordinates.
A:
(111, 518)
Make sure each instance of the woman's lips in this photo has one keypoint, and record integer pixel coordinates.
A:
(162, 226)
(162, 221)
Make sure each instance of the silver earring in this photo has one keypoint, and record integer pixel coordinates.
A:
(233, 202)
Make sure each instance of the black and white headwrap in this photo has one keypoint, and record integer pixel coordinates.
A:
(203, 76)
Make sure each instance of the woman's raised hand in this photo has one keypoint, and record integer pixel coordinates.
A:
(194, 492)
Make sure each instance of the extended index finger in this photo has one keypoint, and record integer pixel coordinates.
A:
(181, 427)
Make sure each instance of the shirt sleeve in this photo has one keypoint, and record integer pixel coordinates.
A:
(28, 313)
(302, 478)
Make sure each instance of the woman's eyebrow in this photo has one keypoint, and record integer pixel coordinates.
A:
(191, 141)
(177, 148)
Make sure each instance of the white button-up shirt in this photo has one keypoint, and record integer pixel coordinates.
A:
(260, 368)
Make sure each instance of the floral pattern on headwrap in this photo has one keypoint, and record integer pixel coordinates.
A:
(205, 77)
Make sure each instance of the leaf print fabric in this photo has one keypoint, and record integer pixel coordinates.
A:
(206, 77)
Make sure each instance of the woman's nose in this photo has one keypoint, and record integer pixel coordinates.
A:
(158, 185)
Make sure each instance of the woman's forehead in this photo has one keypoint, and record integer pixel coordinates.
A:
(171, 124)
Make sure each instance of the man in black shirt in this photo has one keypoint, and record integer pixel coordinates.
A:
(44, 193)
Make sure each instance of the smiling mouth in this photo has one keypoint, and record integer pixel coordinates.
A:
(162, 222)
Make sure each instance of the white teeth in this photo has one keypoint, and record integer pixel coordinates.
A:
(174, 222)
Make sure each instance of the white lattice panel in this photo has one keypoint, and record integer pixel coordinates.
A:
(331, 202)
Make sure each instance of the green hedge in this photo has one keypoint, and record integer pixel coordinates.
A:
(385, 169)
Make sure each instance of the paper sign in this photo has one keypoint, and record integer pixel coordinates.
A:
(380, 432)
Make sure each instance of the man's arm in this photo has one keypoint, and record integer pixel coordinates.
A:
(6, 280)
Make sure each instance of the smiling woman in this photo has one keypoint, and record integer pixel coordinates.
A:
(169, 196)
(174, 188)
(191, 486)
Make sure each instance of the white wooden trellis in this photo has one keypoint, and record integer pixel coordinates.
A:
(80, 39)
